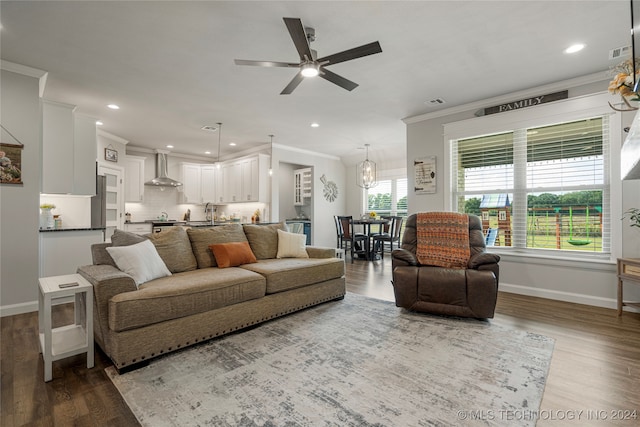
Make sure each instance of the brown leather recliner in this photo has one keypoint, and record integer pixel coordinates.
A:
(470, 292)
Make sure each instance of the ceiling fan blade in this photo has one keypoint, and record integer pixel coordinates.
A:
(356, 52)
(265, 63)
(296, 30)
(337, 79)
(292, 84)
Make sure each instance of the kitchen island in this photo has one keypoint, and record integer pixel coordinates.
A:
(63, 250)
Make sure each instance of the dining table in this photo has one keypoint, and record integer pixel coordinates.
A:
(368, 222)
(366, 225)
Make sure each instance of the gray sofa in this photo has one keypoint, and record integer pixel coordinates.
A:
(200, 300)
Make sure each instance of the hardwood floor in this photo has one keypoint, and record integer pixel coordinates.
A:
(595, 366)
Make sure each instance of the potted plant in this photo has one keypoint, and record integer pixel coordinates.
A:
(46, 216)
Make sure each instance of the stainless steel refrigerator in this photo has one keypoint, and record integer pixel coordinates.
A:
(99, 203)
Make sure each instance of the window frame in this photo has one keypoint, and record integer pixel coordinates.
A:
(388, 175)
(561, 111)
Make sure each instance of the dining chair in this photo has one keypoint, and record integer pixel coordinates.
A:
(354, 243)
(390, 234)
(339, 232)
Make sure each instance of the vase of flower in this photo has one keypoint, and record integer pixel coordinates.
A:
(46, 216)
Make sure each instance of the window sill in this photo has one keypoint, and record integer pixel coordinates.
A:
(597, 262)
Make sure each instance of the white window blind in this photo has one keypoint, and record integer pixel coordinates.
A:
(543, 187)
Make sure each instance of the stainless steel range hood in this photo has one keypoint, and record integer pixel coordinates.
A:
(161, 179)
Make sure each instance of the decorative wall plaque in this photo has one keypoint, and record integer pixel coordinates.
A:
(425, 175)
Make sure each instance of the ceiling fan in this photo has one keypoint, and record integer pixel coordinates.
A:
(310, 65)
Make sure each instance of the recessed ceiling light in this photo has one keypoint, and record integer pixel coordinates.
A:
(113, 106)
(315, 125)
(99, 123)
(233, 144)
(574, 48)
(169, 146)
(207, 152)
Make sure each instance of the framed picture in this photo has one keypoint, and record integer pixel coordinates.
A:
(10, 158)
(425, 175)
(110, 155)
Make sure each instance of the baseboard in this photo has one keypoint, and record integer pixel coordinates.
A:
(25, 307)
(28, 307)
(564, 296)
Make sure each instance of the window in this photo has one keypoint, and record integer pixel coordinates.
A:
(542, 187)
(389, 197)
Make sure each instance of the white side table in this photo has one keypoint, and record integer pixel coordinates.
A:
(69, 340)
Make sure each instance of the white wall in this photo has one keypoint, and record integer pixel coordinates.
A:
(19, 207)
(323, 228)
(581, 282)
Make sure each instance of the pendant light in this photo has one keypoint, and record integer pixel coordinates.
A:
(271, 157)
(219, 142)
(366, 176)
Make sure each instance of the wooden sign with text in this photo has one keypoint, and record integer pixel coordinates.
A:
(528, 102)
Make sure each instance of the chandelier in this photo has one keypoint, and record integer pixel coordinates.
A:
(366, 172)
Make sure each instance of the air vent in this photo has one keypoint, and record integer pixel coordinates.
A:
(436, 101)
(209, 128)
(619, 52)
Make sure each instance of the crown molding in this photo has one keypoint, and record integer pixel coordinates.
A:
(27, 71)
(501, 99)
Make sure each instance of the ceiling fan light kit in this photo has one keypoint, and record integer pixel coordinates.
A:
(310, 65)
(309, 69)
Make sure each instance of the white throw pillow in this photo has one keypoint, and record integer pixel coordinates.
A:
(140, 261)
(292, 245)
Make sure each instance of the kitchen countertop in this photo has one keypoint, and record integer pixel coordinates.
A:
(44, 230)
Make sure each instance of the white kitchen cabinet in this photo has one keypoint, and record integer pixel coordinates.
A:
(208, 178)
(190, 178)
(69, 150)
(57, 147)
(138, 228)
(243, 180)
(134, 179)
(232, 181)
(302, 186)
(85, 150)
(198, 183)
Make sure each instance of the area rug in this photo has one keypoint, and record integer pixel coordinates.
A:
(355, 362)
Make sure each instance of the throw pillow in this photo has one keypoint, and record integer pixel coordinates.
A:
(202, 238)
(263, 239)
(292, 245)
(174, 248)
(125, 238)
(141, 261)
(232, 254)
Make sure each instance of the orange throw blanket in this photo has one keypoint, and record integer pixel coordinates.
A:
(443, 239)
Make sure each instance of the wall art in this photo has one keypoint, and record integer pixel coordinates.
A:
(425, 175)
(10, 158)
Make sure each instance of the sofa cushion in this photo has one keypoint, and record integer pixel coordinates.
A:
(232, 254)
(174, 248)
(125, 238)
(291, 245)
(289, 273)
(201, 238)
(140, 261)
(183, 294)
(264, 239)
